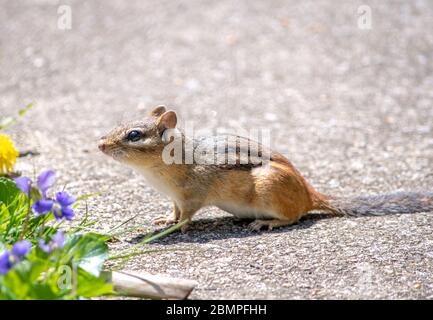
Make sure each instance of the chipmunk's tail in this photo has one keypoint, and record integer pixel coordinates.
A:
(382, 204)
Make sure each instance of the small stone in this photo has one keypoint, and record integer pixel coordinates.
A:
(38, 62)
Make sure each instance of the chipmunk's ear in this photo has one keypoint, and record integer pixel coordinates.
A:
(167, 120)
(159, 110)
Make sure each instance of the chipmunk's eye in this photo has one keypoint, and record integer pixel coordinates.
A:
(134, 135)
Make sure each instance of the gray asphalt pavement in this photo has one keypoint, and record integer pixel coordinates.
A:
(352, 108)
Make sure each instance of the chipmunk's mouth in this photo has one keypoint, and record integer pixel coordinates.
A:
(118, 154)
(113, 151)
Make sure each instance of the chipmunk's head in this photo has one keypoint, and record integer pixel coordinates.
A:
(140, 142)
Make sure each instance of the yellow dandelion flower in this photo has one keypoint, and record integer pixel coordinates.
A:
(8, 154)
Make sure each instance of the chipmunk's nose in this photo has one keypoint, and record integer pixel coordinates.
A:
(102, 145)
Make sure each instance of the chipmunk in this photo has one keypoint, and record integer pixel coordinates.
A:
(272, 192)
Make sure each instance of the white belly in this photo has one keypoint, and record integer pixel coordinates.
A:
(157, 181)
(245, 212)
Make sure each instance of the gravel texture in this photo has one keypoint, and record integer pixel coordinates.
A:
(351, 108)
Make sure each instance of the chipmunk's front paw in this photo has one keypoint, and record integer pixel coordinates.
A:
(257, 225)
(164, 220)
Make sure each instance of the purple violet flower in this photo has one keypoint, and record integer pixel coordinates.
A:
(5, 262)
(65, 211)
(44, 246)
(21, 248)
(64, 199)
(24, 184)
(61, 206)
(8, 259)
(59, 239)
(45, 181)
(57, 242)
(43, 206)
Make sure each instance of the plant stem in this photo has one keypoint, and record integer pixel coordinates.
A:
(162, 234)
(26, 222)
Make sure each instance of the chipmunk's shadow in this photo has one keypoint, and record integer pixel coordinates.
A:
(205, 230)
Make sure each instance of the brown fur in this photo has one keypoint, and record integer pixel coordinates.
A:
(273, 192)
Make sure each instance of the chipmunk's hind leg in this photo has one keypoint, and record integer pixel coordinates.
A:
(258, 224)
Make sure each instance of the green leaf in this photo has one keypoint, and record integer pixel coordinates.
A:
(89, 285)
(24, 110)
(6, 122)
(46, 276)
(88, 251)
(8, 191)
